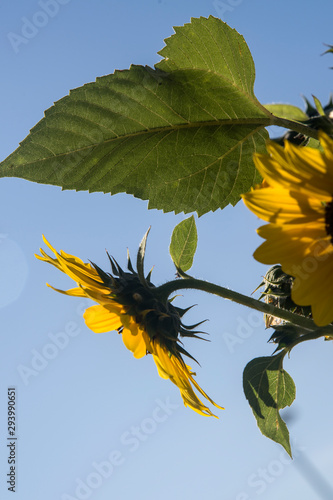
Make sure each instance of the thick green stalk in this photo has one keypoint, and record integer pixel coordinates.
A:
(296, 126)
(164, 291)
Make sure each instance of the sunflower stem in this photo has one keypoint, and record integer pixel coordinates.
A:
(296, 126)
(314, 335)
(164, 291)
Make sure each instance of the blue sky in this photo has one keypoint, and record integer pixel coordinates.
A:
(93, 422)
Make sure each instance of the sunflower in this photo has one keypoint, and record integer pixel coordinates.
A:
(128, 303)
(296, 198)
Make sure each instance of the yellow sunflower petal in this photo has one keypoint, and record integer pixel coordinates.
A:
(46, 258)
(134, 339)
(74, 292)
(280, 206)
(291, 244)
(313, 285)
(100, 295)
(47, 243)
(294, 167)
(297, 200)
(74, 267)
(322, 312)
(169, 366)
(84, 276)
(101, 319)
(327, 144)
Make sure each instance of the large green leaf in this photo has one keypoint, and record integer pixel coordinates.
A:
(183, 244)
(268, 389)
(181, 135)
(211, 44)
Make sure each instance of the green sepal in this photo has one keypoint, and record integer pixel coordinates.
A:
(285, 335)
(310, 110)
(129, 263)
(140, 258)
(319, 106)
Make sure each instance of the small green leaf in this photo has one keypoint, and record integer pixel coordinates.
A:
(269, 388)
(184, 244)
(287, 111)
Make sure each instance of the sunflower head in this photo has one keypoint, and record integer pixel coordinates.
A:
(129, 303)
(140, 298)
(297, 204)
